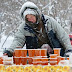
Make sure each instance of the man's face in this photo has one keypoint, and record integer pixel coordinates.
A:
(31, 18)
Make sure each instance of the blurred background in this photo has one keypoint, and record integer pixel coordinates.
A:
(61, 10)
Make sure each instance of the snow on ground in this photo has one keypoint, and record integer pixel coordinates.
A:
(7, 43)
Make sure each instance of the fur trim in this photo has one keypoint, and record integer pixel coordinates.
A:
(29, 11)
(29, 5)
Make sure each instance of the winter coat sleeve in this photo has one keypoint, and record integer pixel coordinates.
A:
(19, 39)
(61, 34)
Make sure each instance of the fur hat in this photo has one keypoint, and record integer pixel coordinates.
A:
(29, 11)
(29, 5)
(30, 8)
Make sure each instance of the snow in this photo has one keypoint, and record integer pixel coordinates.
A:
(57, 19)
(67, 22)
(39, 3)
(7, 43)
(28, 4)
(45, 7)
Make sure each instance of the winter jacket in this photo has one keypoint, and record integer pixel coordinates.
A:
(26, 34)
(51, 24)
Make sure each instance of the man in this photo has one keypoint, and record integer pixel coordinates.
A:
(35, 32)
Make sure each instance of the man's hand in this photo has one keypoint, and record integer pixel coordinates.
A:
(46, 46)
(5, 54)
(67, 53)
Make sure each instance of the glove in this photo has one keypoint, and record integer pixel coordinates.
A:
(6, 52)
(67, 53)
(49, 49)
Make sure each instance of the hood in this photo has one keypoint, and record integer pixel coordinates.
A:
(28, 5)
